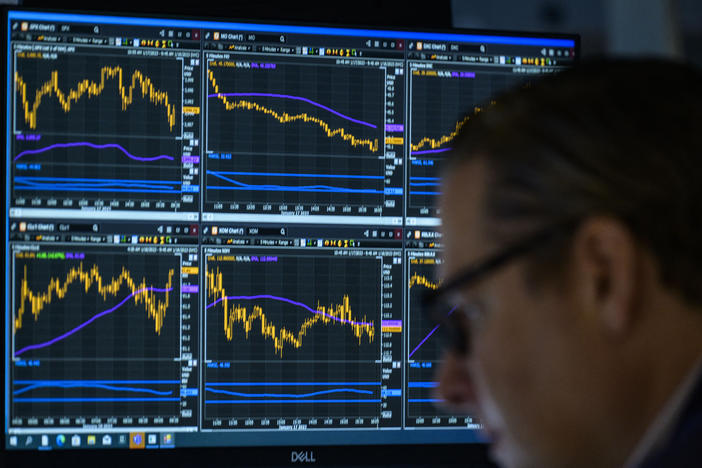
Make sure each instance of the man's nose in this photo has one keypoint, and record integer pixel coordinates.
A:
(456, 388)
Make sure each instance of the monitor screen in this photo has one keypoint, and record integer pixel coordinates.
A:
(217, 233)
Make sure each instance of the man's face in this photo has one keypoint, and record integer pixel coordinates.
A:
(525, 376)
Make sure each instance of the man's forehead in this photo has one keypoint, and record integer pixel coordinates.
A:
(463, 219)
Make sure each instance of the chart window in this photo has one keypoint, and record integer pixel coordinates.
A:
(104, 128)
(307, 335)
(102, 335)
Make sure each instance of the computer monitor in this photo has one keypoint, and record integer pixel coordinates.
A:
(217, 234)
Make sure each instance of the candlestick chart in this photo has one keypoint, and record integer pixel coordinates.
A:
(292, 308)
(299, 333)
(95, 333)
(97, 306)
(293, 133)
(83, 94)
(105, 126)
(442, 103)
(421, 278)
(424, 349)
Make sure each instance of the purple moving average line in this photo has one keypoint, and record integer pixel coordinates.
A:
(289, 301)
(427, 337)
(440, 150)
(85, 324)
(297, 98)
(93, 145)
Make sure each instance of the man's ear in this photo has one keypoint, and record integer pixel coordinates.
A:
(605, 265)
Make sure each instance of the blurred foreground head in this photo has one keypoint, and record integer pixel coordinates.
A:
(583, 347)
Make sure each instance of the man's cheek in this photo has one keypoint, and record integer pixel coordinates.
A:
(500, 370)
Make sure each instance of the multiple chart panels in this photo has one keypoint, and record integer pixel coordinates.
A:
(282, 136)
(213, 231)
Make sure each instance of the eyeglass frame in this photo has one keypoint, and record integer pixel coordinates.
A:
(475, 272)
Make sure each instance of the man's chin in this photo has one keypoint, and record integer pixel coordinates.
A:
(499, 452)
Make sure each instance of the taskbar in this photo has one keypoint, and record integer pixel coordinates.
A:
(156, 438)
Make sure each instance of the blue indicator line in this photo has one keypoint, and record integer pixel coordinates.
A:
(283, 384)
(85, 400)
(413, 192)
(424, 184)
(31, 387)
(283, 174)
(425, 178)
(423, 384)
(72, 179)
(87, 189)
(290, 395)
(299, 402)
(24, 382)
(272, 188)
(281, 188)
(95, 185)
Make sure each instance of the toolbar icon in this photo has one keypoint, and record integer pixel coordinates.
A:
(167, 439)
(137, 440)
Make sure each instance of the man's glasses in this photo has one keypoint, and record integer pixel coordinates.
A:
(455, 320)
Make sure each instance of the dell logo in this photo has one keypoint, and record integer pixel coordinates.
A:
(302, 457)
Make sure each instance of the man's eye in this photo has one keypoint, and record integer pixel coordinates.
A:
(474, 311)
